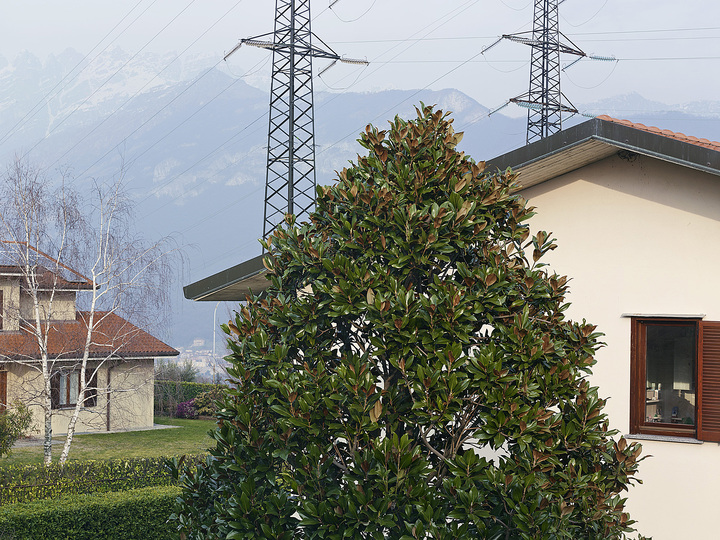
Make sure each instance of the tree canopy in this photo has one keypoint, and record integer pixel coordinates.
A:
(410, 372)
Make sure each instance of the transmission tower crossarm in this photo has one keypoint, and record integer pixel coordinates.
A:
(561, 47)
(527, 103)
(315, 52)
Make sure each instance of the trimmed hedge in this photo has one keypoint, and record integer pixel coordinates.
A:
(23, 483)
(168, 394)
(139, 514)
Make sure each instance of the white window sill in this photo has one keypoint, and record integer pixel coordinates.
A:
(662, 438)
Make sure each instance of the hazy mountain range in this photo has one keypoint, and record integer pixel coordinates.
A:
(191, 140)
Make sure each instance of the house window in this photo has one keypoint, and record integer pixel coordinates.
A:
(1, 310)
(675, 378)
(65, 387)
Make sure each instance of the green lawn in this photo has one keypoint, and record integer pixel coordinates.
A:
(190, 438)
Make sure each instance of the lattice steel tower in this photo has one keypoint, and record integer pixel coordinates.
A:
(544, 100)
(290, 178)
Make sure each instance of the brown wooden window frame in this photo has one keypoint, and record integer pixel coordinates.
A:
(706, 377)
(64, 402)
(3, 390)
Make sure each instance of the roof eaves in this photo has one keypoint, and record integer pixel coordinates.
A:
(667, 146)
(230, 284)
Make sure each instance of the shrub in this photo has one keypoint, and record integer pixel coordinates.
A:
(22, 483)
(138, 514)
(208, 402)
(187, 409)
(14, 423)
(169, 393)
(410, 371)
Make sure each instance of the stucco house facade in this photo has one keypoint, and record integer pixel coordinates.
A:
(636, 215)
(120, 367)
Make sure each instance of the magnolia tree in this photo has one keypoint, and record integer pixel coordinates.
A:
(50, 233)
(410, 372)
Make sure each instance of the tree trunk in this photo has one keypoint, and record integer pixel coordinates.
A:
(79, 403)
(71, 428)
(47, 409)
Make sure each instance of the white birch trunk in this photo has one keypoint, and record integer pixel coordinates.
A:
(48, 414)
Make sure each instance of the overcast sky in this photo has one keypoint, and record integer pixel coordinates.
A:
(668, 51)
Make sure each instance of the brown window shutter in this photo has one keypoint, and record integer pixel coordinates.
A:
(3, 390)
(708, 409)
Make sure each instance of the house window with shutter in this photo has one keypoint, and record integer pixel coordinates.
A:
(65, 387)
(675, 378)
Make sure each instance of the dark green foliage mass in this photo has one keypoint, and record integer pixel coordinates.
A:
(138, 514)
(14, 423)
(410, 372)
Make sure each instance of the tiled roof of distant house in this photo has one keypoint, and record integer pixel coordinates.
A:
(113, 337)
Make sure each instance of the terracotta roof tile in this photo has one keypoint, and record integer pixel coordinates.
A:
(705, 143)
(113, 335)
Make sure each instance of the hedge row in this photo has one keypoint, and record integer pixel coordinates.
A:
(139, 514)
(23, 483)
(169, 393)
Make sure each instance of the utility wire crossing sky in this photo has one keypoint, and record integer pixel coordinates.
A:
(667, 51)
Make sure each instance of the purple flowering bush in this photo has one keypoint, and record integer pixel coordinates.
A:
(187, 409)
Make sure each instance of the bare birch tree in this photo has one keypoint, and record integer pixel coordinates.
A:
(50, 234)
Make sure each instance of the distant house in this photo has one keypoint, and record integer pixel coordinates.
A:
(636, 214)
(120, 369)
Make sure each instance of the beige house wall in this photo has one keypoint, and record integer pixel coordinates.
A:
(11, 301)
(641, 236)
(63, 306)
(132, 409)
(131, 397)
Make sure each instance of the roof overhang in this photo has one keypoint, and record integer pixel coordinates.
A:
(598, 139)
(231, 284)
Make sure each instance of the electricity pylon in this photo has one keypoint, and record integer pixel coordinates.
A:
(544, 100)
(290, 178)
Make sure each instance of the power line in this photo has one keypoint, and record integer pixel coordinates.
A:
(135, 159)
(669, 58)
(448, 16)
(186, 89)
(108, 79)
(452, 14)
(173, 130)
(588, 20)
(128, 100)
(356, 18)
(290, 172)
(573, 34)
(394, 107)
(36, 108)
(212, 152)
